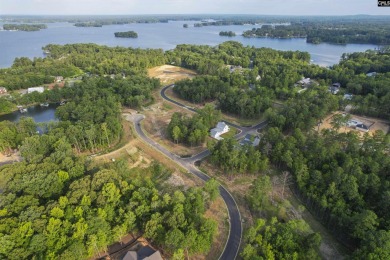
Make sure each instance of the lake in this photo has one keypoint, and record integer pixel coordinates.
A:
(38, 113)
(166, 36)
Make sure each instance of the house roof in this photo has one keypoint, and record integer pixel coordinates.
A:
(304, 81)
(130, 255)
(145, 252)
(221, 125)
(250, 140)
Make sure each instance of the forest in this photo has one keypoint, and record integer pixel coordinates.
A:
(54, 204)
(336, 32)
(129, 34)
(346, 192)
(80, 59)
(91, 117)
(227, 33)
(341, 178)
(193, 130)
(24, 27)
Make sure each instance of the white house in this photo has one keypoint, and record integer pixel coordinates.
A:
(304, 82)
(36, 89)
(219, 130)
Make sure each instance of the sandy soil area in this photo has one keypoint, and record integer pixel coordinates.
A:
(15, 157)
(169, 74)
(374, 123)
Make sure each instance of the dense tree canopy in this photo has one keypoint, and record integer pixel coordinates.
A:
(277, 240)
(193, 130)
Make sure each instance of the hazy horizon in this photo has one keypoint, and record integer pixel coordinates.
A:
(186, 7)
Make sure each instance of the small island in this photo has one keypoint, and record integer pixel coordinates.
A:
(227, 33)
(24, 27)
(185, 25)
(129, 34)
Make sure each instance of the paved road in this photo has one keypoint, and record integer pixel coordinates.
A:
(243, 130)
(235, 232)
(234, 239)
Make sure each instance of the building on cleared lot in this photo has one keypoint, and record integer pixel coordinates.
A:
(3, 90)
(219, 130)
(250, 140)
(304, 82)
(36, 89)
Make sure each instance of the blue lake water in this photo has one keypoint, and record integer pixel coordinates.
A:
(38, 113)
(166, 36)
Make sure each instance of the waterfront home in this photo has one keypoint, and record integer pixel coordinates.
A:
(36, 89)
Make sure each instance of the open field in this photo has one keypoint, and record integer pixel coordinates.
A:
(374, 123)
(168, 74)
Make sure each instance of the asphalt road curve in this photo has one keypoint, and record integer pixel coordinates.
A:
(233, 243)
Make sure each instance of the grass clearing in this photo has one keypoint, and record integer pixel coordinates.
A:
(232, 132)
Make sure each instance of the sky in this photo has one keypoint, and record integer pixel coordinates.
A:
(129, 7)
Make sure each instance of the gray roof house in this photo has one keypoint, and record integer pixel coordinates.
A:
(144, 253)
(220, 129)
(250, 140)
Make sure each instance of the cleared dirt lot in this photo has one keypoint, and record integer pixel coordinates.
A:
(374, 123)
(169, 74)
(156, 122)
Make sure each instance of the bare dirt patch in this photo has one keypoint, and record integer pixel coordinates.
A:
(157, 118)
(14, 157)
(169, 74)
(374, 123)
